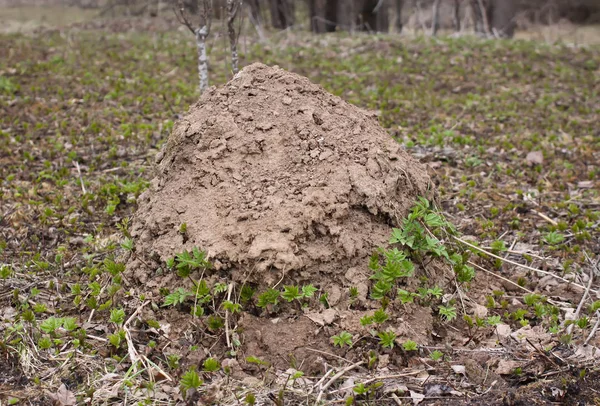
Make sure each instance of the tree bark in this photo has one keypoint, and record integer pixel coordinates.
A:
(399, 4)
(435, 17)
(456, 15)
(282, 13)
(201, 35)
(502, 20)
(232, 10)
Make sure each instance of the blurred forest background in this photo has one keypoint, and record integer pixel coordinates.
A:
(550, 20)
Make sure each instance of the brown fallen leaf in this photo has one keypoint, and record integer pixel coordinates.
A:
(535, 158)
(63, 397)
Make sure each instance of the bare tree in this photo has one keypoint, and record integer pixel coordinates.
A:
(399, 4)
(201, 33)
(232, 9)
(456, 15)
(282, 13)
(435, 18)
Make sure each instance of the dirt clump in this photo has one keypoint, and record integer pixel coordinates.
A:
(277, 180)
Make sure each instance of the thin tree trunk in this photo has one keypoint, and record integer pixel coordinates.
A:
(484, 17)
(456, 15)
(232, 9)
(201, 35)
(435, 19)
(399, 4)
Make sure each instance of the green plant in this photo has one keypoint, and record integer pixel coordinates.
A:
(380, 316)
(291, 293)
(190, 380)
(410, 345)
(117, 316)
(271, 296)
(211, 365)
(187, 262)
(387, 339)
(447, 312)
(176, 298)
(435, 355)
(342, 339)
(554, 238)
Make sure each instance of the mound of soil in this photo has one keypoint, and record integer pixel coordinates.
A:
(278, 181)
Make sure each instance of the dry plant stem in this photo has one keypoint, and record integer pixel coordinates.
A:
(335, 378)
(159, 369)
(382, 377)
(593, 332)
(328, 354)
(229, 289)
(80, 177)
(521, 265)
(542, 215)
(316, 385)
(133, 354)
(499, 277)
(582, 301)
(232, 9)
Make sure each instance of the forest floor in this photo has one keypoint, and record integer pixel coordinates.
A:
(510, 131)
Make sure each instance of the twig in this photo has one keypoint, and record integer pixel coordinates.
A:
(80, 177)
(131, 351)
(316, 385)
(542, 215)
(582, 301)
(499, 276)
(542, 353)
(328, 354)
(229, 289)
(593, 332)
(140, 307)
(520, 265)
(159, 369)
(335, 378)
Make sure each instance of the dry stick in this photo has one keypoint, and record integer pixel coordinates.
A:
(335, 378)
(159, 369)
(542, 215)
(593, 332)
(542, 353)
(499, 277)
(131, 351)
(328, 354)
(582, 301)
(80, 177)
(521, 265)
(320, 381)
(229, 289)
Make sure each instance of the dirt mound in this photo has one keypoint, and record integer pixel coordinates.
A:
(271, 174)
(278, 181)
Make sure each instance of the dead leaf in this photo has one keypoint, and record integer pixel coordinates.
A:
(585, 184)
(535, 158)
(63, 397)
(416, 397)
(507, 367)
(459, 369)
(323, 318)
